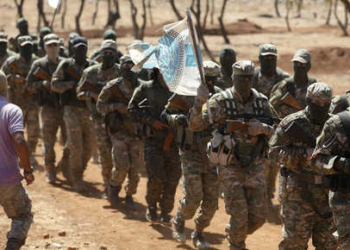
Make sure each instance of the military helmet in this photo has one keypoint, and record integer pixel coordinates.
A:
(21, 21)
(110, 34)
(125, 59)
(319, 91)
(211, 68)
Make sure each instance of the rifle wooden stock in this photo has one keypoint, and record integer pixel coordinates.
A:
(235, 125)
(177, 102)
(42, 74)
(14, 67)
(73, 73)
(167, 142)
(290, 101)
(116, 92)
(295, 131)
(90, 87)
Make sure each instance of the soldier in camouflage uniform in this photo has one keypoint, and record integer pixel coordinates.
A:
(265, 77)
(22, 26)
(227, 59)
(340, 103)
(71, 38)
(126, 148)
(108, 35)
(98, 76)
(305, 210)
(51, 112)
(16, 69)
(41, 46)
(296, 86)
(331, 158)
(200, 181)
(76, 114)
(4, 52)
(161, 155)
(238, 152)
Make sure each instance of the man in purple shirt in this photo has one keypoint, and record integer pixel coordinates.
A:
(13, 196)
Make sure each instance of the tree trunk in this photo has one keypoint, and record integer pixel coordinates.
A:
(288, 8)
(221, 22)
(207, 7)
(329, 15)
(144, 20)
(77, 17)
(178, 16)
(276, 8)
(94, 15)
(19, 6)
(299, 7)
(342, 26)
(63, 16)
(113, 14)
(42, 16)
(212, 12)
(149, 6)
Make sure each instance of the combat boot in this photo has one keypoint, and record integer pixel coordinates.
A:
(113, 195)
(165, 218)
(14, 244)
(129, 202)
(151, 214)
(50, 174)
(199, 241)
(179, 231)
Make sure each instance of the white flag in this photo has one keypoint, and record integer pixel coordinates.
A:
(54, 3)
(177, 61)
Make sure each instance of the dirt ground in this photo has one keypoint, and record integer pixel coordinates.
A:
(87, 221)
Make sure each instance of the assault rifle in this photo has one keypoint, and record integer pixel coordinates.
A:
(116, 92)
(243, 122)
(14, 68)
(42, 74)
(290, 101)
(176, 101)
(73, 73)
(86, 86)
(294, 130)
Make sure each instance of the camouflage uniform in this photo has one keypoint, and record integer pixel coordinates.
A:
(305, 210)
(3, 40)
(96, 55)
(331, 158)
(243, 176)
(99, 77)
(126, 148)
(76, 116)
(17, 206)
(18, 94)
(340, 103)
(163, 166)
(227, 58)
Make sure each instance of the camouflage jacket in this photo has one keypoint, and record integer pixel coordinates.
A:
(108, 102)
(264, 84)
(66, 84)
(340, 103)
(18, 93)
(45, 96)
(8, 54)
(281, 89)
(247, 147)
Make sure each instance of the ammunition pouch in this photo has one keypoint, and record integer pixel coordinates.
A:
(220, 149)
(114, 122)
(337, 183)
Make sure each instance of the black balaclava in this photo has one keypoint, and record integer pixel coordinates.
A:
(227, 59)
(318, 114)
(3, 49)
(243, 85)
(268, 65)
(26, 52)
(127, 74)
(300, 73)
(108, 59)
(79, 54)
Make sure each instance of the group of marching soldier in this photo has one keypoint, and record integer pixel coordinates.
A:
(246, 125)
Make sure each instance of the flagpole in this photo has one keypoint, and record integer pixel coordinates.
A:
(54, 14)
(195, 47)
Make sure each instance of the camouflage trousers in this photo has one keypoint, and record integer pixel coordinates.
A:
(306, 214)
(164, 172)
(104, 144)
(340, 204)
(201, 189)
(126, 157)
(31, 121)
(244, 196)
(271, 172)
(52, 120)
(17, 206)
(80, 139)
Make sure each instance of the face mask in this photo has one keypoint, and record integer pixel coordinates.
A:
(301, 70)
(52, 52)
(26, 52)
(80, 54)
(268, 66)
(23, 29)
(226, 64)
(108, 60)
(318, 114)
(3, 48)
(243, 85)
(128, 74)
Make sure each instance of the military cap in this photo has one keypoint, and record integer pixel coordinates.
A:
(243, 67)
(80, 41)
(51, 39)
(21, 21)
(319, 91)
(109, 44)
(211, 68)
(3, 37)
(62, 43)
(24, 40)
(267, 50)
(45, 30)
(302, 55)
(72, 36)
(110, 34)
(125, 59)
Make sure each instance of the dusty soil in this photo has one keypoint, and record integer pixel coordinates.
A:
(87, 220)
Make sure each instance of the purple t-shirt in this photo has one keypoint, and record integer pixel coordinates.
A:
(11, 121)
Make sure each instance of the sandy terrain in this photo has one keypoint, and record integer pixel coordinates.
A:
(87, 220)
